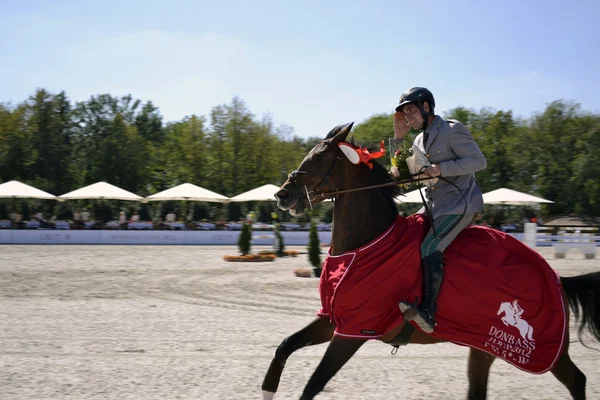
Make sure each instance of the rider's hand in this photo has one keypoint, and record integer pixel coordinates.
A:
(433, 170)
(401, 127)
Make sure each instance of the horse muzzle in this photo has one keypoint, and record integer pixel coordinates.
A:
(289, 200)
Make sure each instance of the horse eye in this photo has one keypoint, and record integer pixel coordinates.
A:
(319, 157)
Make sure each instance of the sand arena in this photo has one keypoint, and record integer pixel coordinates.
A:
(178, 322)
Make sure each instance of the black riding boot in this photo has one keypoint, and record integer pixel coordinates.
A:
(433, 273)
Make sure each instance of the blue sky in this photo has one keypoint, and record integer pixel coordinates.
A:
(311, 65)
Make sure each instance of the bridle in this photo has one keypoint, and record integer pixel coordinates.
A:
(312, 195)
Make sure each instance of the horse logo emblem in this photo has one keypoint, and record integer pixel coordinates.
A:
(512, 317)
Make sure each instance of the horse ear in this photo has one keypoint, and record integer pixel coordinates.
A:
(343, 132)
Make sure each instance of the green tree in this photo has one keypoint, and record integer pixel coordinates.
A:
(17, 153)
(50, 143)
(149, 123)
(375, 129)
(218, 154)
(585, 186)
(554, 143)
(494, 141)
(279, 243)
(51, 126)
(245, 239)
(95, 123)
(314, 248)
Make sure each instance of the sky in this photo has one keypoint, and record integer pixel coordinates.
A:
(309, 65)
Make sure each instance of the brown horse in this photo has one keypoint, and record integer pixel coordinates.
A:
(327, 170)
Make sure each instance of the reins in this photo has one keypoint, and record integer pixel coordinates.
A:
(412, 179)
(394, 183)
(293, 176)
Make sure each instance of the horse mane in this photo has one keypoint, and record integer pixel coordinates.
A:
(382, 175)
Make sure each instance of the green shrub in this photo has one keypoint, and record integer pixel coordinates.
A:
(245, 239)
(314, 249)
(279, 243)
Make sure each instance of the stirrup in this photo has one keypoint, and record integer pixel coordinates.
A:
(425, 321)
(412, 312)
(409, 311)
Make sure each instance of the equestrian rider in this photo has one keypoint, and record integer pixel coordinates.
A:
(454, 156)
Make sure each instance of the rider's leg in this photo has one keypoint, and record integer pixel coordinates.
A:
(447, 228)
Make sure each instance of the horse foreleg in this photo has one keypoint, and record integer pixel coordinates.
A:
(478, 372)
(317, 332)
(338, 353)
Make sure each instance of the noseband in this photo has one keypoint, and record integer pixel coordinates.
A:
(311, 195)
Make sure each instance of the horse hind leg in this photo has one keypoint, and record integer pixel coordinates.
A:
(478, 372)
(570, 376)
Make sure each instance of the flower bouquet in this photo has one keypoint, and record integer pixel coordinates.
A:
(408, 161)
(400, 153)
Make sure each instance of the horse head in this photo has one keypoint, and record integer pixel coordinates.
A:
(505, 307)
(362, 188)
(322, 171)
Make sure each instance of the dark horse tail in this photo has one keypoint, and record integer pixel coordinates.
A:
(583, 292)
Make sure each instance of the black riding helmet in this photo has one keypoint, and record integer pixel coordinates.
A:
(418, 95)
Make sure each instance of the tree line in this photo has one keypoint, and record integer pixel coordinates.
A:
(58, 145)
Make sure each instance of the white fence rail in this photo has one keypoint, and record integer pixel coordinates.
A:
(9, 236)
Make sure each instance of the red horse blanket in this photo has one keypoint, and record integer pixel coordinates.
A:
(498, 295)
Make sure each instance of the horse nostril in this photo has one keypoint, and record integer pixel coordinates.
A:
(282, 194)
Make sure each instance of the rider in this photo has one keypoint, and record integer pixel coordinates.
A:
(454, 156)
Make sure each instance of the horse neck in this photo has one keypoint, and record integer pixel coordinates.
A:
(359, 218)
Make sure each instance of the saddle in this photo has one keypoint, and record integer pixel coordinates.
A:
(498, 295)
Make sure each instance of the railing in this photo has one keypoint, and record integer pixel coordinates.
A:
(549, 240)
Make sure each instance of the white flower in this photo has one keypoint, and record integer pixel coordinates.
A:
(395, 171)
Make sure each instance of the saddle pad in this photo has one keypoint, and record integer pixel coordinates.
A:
(498, 295)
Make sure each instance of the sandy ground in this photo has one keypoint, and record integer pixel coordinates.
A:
(133, 322)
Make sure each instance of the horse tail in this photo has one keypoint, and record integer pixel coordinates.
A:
(583, 293)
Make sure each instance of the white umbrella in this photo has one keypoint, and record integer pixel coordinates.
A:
(263, 193)
(410, 197)
(511, 197)
(101, 190)
(18, 190)
(187, 191)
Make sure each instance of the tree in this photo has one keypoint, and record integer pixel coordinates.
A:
(314, 249)
(245, 239)
(279, 243)
(219, 160)
(494, 141)
(51, 126)
(585, 193)
(555, 136)
(375, 129)
(58, 146)
(149, 124)
(17, 153)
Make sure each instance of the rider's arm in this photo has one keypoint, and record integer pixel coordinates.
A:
(470, 158)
